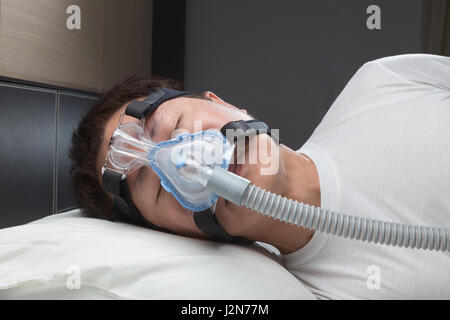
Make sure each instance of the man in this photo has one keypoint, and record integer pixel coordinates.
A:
(382, 151)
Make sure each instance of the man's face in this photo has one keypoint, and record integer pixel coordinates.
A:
(153, 201)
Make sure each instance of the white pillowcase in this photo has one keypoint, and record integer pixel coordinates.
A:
(52, 257)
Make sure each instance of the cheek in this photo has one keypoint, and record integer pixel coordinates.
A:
(165, 213)
(143, 199)
(171, 215)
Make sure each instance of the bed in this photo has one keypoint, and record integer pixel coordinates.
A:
(48, 250)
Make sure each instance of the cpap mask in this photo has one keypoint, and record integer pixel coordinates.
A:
(131, 148)
(193, 168)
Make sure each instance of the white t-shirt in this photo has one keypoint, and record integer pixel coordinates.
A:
(383, 151)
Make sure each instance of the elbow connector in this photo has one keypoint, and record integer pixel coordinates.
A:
(228, 185)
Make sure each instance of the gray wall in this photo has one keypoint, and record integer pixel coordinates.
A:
(286, 61)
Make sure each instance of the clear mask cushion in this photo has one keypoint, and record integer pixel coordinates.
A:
(180, 162)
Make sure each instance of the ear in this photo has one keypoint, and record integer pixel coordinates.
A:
(212, 96)
(216, 99)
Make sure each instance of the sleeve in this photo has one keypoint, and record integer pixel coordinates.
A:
(424, 69)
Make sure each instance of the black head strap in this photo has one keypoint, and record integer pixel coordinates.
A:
(123, 204)
(248, 128)
(141, 109)
(207, 222)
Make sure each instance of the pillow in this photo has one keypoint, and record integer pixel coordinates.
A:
(67, 256)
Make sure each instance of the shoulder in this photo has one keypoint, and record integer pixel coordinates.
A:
(413, 59)
(418, 68)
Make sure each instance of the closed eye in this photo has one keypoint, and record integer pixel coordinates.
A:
(141, 176)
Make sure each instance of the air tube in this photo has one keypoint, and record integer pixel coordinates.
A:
(243, 193)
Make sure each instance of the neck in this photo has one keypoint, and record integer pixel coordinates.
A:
(301, 183)
(301, 178)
